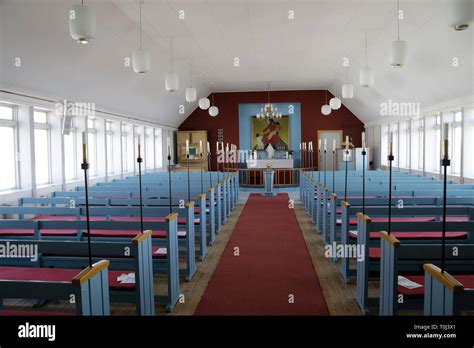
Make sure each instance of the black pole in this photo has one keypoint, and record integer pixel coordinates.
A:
(445, 162)
(189, 182)
(390, 160)
(333, 171)
(319, 166)
(209, 165)
(169, 179)
(363, 180)
(217, 162)
(139, 161)
(345, 180)
(311, 162)
(85, 168)
(202, 185)
(324, 167)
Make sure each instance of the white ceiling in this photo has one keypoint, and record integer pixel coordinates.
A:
(303, 53)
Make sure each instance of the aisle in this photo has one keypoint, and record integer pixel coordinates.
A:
(273, 267)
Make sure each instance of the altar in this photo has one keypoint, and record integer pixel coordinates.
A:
(276, 163)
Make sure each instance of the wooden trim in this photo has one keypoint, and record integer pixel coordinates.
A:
(189, 204)
(211, 189)
(202, 195)
(390, 238)
(333, 195)
(326, 189)
(171, 216)
(346, 204)
(141, 237)
(364, 217)
(443, 277)
(319, 184)
(218, 184)
(89, 272)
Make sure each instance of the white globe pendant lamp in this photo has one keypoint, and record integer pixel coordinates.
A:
(191, 94)
(171, 79)
(204, 103)
(347, 88)
(326, 109)
(347, 91)
(399, 48)
(335, 103)
(366, 75)
(141, 61)
(213, 110)
(82, 23)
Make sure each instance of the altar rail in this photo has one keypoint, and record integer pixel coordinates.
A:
(284, 177)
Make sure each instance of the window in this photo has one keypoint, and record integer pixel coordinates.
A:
(416, 134)
(8, 147)
(150, 148)
(433, 143)
(158, 148)
(42, 147)
(468, 142)
(92, 147)
(110, 147)
(384, 145)
(70, 155)
(403, 141)
(455, 143)
(127, 148)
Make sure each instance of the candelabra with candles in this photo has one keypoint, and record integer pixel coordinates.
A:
(169, 173)
(311, 154)
(346, 159)
(85, 168)
(390, 159)
(445, 163)
(217, 160)
(364, 153)
(139, 161)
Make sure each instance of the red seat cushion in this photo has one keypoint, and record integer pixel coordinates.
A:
(130, 233)
(416, 235)
(57, 275)
(466, 280)
(29, 232)
(12, 313)
(181, 221)
(374, 253)
(66, 218)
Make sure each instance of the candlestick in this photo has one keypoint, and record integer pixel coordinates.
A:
(325, 144)
(363, 140)
(200, 147)
(208, 148)
(334, 145)
(168, 145)
(446, 142)
(187, 147)
(347, 142)
(319, 145)
(84, 149)
(390, 144)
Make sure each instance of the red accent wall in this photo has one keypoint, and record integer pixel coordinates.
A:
(311, 118)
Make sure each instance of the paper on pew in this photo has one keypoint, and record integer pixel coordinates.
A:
(407, 283)
(354, 232)
(126, 278)
(181, 233)
(339, 221)
(161, 251)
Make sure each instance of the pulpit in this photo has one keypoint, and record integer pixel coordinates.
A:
(268, 178)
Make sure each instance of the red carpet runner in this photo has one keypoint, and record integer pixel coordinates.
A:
(274, 263)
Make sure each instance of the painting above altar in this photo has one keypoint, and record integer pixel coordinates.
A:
(269, 131)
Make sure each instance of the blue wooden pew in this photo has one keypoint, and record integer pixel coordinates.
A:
(89, 287)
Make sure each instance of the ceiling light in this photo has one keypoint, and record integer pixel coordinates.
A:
(82, 23)
(399, 49)
(204, 103)
(141, 61)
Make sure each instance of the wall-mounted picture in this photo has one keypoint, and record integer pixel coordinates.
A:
(269, 131)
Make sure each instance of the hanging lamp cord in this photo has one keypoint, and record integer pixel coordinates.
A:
(140, 24)
(398, 19)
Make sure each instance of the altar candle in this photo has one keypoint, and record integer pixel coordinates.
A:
(200, 147)
(217, 147)
(334, 145)
(187, 147)
(300, 146)
(168, 145)
(208, 148)
(325, 144)
(390, 144)
(319, 145)
(311, 146)
(139, 144)
(347, 143)
(446, 137)
(363, 140)
(84, 157)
